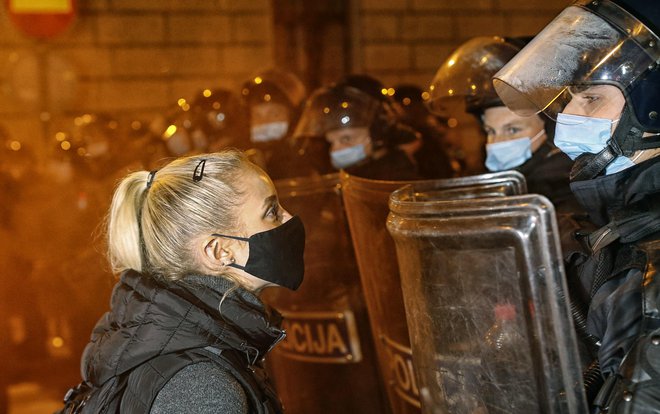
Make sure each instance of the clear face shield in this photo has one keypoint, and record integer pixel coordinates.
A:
(579, 63)
(328, 110)
(467, 73)
(274, 81)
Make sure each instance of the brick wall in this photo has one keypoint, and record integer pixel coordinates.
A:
(129, 58)
(136, 57)
(407, 40)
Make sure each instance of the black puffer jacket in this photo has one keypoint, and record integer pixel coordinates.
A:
(150, 320)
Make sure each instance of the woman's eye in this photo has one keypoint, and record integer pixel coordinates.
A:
(274, 212)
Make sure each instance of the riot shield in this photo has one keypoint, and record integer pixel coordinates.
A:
(327, 363)
(366, 206)
(484, 291)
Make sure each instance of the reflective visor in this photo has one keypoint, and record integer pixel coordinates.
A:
(467, 73)
(329, 109)
(586, 44)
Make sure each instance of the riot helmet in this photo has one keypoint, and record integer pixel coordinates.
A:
(590, 49)
(367, 84)
(410, 103)
(466, 74)
(386, 126)
(96, 136)
(180, 131)
(219, 115)
(343, 117)
(273, 98)
(465, 77)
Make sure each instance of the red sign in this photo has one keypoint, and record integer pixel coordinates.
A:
(42, 19)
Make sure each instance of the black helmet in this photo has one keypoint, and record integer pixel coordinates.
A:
(367, 84)
(220, 115)
(610, 42)
(90, 141)
(386, 127)
(466, 74)
(408, 94)
(285, 93)
(179, 130)
(334, 107)
(274, 85)
(410, 103)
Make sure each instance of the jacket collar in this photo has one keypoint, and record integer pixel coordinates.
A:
(248, 319)
(626, 205)
(150, 317)
(605, 198)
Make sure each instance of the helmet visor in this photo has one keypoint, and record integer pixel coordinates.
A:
(467, 73)
(579, 48)
(328, 109)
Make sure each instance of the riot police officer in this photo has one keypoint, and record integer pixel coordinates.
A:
(360, 131)
(274, 98)
(219, 115)
(513, 141)
(179, 131)
(594, 69)
(432, 157)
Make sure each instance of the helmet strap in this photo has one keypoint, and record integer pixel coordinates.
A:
(588, 166)
(626, 140)
(628, 135)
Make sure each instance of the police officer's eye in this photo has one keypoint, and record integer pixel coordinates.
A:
(590, 98)
(512, 130)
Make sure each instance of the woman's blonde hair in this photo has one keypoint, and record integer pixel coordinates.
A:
(155, 217)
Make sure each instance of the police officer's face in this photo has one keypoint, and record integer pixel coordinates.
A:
(267, 113)
(349, 137)
(500, 124)
(596, 101)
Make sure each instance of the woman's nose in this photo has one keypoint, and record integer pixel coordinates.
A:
(286, 216)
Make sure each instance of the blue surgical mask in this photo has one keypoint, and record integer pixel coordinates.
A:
(509, 154)
(576, 135)
(271, 131)
(348, 156)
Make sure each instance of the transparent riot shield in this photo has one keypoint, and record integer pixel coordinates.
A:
(366, 206)
(327, 363)
(484, 291)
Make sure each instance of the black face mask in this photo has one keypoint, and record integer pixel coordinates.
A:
(276, 255)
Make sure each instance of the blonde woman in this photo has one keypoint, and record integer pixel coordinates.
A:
(194, 243)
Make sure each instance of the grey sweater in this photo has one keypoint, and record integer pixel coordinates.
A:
(201, 388)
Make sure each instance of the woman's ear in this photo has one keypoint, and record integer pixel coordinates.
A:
(217, 253)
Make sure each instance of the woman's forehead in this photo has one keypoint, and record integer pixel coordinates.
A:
(258, 184)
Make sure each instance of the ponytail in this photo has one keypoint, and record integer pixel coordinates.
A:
(125, 242)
